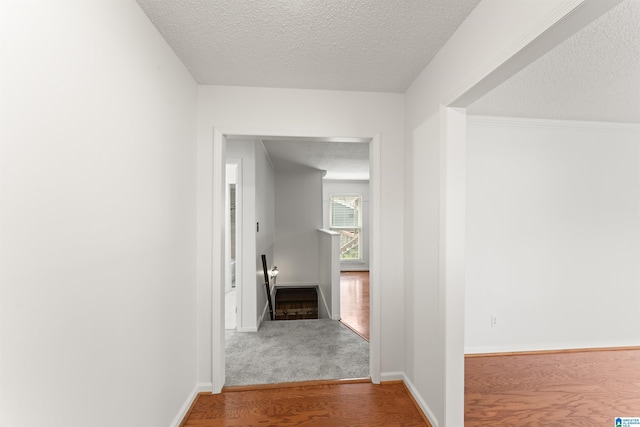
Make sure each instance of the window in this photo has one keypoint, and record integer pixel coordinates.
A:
(345, 217)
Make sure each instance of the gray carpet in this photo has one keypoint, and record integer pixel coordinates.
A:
(295, 350)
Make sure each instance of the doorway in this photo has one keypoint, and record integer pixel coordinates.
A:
(220, 267)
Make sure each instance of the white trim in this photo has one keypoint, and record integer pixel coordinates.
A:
(327, 231)
(452, 256)
(522, 122)
(219, 143)
(217, 262)
(420, 401)
(347, 181)
(375, 196)
(392, 376)
(260, 320)
(561, 23)
(182, 412)
(360, 226)
(401, 376)
(324, 301)
(227, 226)
(237, 162)
(334, 237)
(480, 78)
(335, 279)
(240, 289)
(519, 348)
(265, 309)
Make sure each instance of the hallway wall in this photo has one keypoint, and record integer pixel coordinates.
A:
(489, 46)
(238, 110)
(258, 196)
(298, 218)
(553, 234)
(98, 209)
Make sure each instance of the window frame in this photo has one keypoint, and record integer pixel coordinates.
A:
(359, 227)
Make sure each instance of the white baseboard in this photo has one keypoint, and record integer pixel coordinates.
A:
(423, 405)
(401, 376)
(187, 403)
(253, 328)
(549, 347)
(265, 310)
(326, 306)
(391, 376)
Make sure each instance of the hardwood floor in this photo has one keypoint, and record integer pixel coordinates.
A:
(354, 301)
(324, 404)
(588, 388)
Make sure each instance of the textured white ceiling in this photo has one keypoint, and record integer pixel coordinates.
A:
(594, 76)
(341, 159)
(363, 45)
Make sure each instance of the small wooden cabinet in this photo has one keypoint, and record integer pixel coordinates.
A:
(296, 303)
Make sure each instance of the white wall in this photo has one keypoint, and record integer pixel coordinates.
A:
(309, 112)
(329, 277)
(98, 245)
(298, 218)
(331, 187)
(257, 207)
(246, 297)
(488, 47)
(553, 234)
(265, 215)
(432, 301)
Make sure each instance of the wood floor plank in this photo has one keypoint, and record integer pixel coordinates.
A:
(568, 389)
(577, 388)
(354, 301)
(351, 404)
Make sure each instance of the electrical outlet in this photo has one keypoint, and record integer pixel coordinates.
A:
(494, 320)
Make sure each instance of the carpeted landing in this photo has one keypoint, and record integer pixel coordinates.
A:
(295, 350)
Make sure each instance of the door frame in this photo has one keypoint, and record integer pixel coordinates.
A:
(218, 249)
(237, 163)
